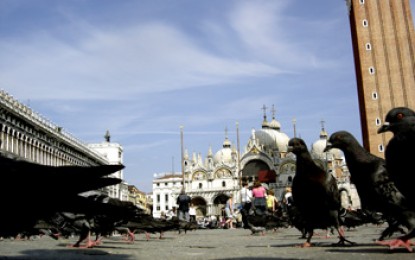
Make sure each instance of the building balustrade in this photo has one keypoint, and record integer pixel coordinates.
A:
(30, 136)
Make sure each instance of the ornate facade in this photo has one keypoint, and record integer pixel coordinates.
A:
(210, 182)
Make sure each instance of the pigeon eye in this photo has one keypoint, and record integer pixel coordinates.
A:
(399, 116)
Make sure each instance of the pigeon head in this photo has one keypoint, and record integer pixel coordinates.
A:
(296, 145)
(339, 140)
(395, 118)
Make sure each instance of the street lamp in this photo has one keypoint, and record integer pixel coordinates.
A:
(182, 155)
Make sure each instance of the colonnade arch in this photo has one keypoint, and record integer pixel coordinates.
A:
(21, 139)
(252, 168)
(219, 203)
(201, 206)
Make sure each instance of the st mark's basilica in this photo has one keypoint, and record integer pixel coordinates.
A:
(209, 181)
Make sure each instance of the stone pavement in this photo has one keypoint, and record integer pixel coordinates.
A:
(210, 244)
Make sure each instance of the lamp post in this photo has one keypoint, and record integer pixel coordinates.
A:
(182, 155)
(238, 155)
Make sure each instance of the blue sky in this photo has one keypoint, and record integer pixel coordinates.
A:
(143, 68)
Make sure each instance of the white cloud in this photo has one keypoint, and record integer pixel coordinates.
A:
(93, 62)
(116, 64)
(272, 35)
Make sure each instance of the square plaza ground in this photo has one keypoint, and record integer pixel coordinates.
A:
(211, 244)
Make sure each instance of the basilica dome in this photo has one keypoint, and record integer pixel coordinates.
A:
(274, 124)
(318, 147)
(272, 138)
(224, 155)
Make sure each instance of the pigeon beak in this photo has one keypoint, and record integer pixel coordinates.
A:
(328, 147)
(384, 128)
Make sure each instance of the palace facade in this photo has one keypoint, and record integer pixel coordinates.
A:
(26, 135)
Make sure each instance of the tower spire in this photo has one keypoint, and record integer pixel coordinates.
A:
(322, 124)
(226, 143)
(264, 108)
(265, 122)
(273, 111)
(323, 133)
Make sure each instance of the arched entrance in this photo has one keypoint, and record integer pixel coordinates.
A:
(219, 204)
(200, 204)
(257, 169)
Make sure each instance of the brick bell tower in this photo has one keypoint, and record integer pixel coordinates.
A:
(383, 41)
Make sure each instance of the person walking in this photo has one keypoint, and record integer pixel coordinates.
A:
(229, 212)
(272, 202)
(246, 196)
(184, 204)
(192, 213)
(259, 193)
(288, 198)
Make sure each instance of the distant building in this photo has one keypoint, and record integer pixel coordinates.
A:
(149, 200)
(210, 181)
(383, 41)
(166, 187)
(138, 197)
(113, 152)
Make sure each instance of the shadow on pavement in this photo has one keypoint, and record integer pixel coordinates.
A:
(69, 254)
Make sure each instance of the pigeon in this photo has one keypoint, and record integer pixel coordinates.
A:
(315, 193)
(149, 224)
(97, 213)
(399, 155)
(376, 189)
(296, 219)
(31, 192)
(76, 224)
(27, 175)
(187, 226)
(260, 223)
(400, 149)
(258, 230)
(352, 218)
(111, 214)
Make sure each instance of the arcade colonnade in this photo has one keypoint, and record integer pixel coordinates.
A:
(27, 135)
